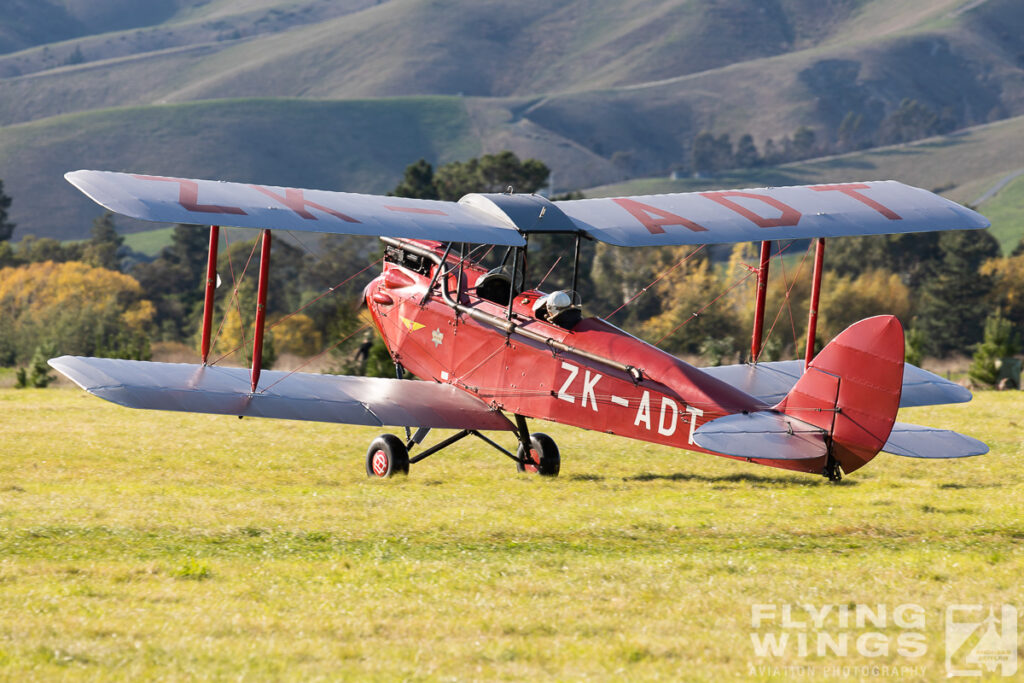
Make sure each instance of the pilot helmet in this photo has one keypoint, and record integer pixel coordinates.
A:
(556, 303)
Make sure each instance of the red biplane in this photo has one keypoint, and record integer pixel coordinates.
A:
(484, 345)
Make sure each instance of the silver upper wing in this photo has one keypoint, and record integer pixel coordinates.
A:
(657, 220)
(770, 213)
(185, 200)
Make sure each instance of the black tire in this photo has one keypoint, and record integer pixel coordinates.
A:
(386, 457)
(545, 458)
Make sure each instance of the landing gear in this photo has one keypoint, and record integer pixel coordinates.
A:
(543, 457)
(386, 457)
(537, 453)
(832, 470)
(389, 455)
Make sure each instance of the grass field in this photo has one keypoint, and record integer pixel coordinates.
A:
(140, 544)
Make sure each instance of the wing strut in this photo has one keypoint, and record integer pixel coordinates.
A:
(812, 313)
(261, 311)
(211, 286)
(762, 290)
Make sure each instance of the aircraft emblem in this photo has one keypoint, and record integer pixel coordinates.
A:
(438, 337)
(412, 326)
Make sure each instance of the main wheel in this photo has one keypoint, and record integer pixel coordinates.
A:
(543, 459)
(387, 456)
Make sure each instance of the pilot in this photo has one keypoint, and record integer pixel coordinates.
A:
(557, 308)
(495, 285)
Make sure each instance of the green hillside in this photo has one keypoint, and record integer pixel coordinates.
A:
(601, 90)
(354, 146)
(1006, 211)
(962, 166)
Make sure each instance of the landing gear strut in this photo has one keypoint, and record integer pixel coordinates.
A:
(537, 453)
(389, 455)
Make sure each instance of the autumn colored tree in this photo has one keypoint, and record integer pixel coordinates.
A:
(845, 300)
(691, 317)
(1008, 285)
(73, 307)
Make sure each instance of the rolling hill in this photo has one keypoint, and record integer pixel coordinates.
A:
(315, 144)
(962, 166)
(344, 93)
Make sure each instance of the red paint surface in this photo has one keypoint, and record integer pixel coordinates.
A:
(787, 214)
(762, 292)
(296, 200)
(812, 311)
(211, 287)
(861, 373)
(409, 209)
(261, 310)
(851, 190)
(655, 219)
(188, 196)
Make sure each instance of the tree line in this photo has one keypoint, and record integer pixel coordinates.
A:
(953, 291)
(911, 120)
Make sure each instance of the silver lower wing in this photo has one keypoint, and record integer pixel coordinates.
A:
(291, 396)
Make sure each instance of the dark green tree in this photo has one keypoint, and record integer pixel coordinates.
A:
(32, 249)
(851, 132)
(703, 155)
(174, 281)
(417, 182)
(746, 152)
(912, 256)
(102, 248)
(911, 121)
(1000, 341)
(724, 158)
(37, 375)
(772, 154)
(952, 310)
(803, 143)
(6, 226)
(490, 173)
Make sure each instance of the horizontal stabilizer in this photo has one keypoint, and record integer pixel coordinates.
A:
(293, 396)
(916, 441)
(764, 435)
(771, 381)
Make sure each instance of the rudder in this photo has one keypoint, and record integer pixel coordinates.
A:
(852, 391)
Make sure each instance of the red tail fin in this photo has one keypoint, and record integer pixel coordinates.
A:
(852, 389)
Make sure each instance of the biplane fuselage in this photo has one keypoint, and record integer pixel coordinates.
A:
(663, 401)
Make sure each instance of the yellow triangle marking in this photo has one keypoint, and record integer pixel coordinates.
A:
(412, 326)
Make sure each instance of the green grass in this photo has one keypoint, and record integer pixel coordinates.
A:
(1006, 211)
(144, 545)
(149, 242)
